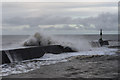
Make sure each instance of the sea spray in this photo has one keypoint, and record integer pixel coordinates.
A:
(43, 39)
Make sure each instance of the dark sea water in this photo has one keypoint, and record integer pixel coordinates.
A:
(11, 41)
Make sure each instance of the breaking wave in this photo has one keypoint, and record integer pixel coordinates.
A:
(42, 39)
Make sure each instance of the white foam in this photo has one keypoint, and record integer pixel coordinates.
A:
(47, 59)
(44, 39)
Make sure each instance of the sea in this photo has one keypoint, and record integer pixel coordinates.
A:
(79, 42)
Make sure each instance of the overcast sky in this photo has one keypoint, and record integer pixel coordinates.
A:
(59, 18)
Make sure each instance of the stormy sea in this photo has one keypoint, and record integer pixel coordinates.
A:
(77, 42)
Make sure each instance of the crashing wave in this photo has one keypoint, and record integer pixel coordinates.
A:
(41, 39)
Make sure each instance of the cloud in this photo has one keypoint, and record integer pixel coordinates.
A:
(64, 9)
(106, 21)
(21, 27)
(60, 16)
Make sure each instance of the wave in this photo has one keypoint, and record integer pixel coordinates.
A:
(42, 39)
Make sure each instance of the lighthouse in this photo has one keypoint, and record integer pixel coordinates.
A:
(101, 34)
(101, 40)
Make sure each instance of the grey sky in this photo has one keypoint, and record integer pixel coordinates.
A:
(28, 18)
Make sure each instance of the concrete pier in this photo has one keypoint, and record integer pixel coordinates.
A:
(16, 55)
